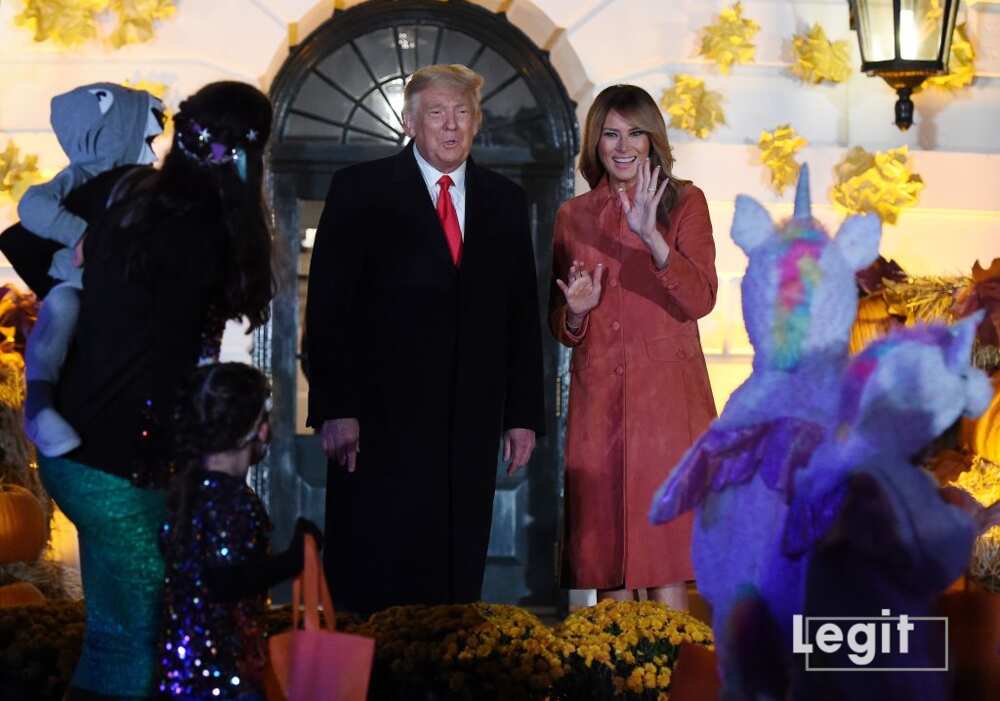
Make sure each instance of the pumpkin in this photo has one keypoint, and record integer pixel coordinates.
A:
(873, 321)
(982, 435)
(23, 532)
(20, 594)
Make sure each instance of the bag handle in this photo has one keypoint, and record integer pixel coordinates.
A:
(308, 589)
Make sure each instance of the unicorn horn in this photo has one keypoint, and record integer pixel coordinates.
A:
(803, 210)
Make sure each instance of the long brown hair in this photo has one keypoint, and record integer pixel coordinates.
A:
(239, 115)
(636, 105)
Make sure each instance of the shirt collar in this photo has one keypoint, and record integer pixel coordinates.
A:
(432, 174)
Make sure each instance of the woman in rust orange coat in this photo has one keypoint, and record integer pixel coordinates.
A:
(633, 271)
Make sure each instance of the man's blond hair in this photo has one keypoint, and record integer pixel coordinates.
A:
(453, 75)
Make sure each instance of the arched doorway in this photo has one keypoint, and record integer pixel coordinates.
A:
(337, 102)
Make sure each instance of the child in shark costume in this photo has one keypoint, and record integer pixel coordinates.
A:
(100, 127)
(799, 302)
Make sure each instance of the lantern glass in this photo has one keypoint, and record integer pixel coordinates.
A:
(920, 25)
(876, 29)
(903, 42)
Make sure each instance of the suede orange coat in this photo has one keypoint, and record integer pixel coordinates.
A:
(639, 390)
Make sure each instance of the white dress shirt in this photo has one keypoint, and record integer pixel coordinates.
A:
(431, 177)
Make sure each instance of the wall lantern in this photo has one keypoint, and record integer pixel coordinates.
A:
(904, 42)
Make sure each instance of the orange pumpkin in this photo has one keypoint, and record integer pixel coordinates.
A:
(982, 435)
(20, 594)
(22, 525)
(873, 321)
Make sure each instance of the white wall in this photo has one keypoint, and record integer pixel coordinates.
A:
(594, 43)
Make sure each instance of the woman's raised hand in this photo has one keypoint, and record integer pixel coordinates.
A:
(583, 291)
(640, 213)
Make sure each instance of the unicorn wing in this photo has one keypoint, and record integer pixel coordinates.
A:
(724, 457)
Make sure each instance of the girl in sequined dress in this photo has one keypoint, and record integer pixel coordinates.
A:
(216, 541)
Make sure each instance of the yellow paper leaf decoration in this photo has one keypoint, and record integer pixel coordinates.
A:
(818, 59)
(692, 107)
(961, 63)
(729, 40)
(17, 173)
(878, 182)
(777, 152)
(160, 91)
(154, 88)
(934, 13)
(65, 22)
(70, 23)
(136, 17)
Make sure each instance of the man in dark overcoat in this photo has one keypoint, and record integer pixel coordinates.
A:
(424, 351)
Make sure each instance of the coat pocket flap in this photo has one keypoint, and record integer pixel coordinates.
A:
(673, 348)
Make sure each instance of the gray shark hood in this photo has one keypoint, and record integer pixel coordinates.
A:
(103, 125)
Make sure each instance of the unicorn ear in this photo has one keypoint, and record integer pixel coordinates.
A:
(803, 209)
(752, 225)
(978, 388)
(858, 239)
(963, 334)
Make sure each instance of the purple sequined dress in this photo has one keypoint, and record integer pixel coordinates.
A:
(209, 648)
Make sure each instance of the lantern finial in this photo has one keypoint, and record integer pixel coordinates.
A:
(904, 109)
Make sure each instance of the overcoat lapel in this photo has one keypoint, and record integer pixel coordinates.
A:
(416, 203)
(476, 208)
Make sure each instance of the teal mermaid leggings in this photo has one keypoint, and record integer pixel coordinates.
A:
(122, 571)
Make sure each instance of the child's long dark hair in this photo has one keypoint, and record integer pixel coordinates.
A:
(238, 116)
(220, 407)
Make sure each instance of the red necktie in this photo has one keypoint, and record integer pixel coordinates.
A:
(449, 219)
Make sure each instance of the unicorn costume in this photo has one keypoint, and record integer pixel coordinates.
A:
(867, 530)
(799, 302)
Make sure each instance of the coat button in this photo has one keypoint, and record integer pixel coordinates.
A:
(616, 326)
(680, 354)
(619, 370)
(613, 282)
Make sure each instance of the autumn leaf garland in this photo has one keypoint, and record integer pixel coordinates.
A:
(878, 182)
(730, 39)
(777, 152)
(17, 172)
(70, 23)
(692, 107)
(818, 59)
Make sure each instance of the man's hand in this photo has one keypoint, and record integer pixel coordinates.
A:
(518, 443)
(341, 441)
